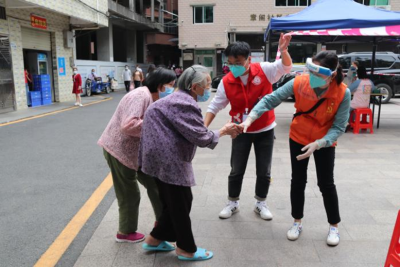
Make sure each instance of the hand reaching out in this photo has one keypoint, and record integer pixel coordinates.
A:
(284, 41)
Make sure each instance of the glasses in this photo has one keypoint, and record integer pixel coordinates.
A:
(236, 64)
(192, 78)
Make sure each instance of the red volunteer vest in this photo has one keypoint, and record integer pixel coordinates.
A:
(307, 128)
(242, 97)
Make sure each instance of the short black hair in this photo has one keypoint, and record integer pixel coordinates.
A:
(362, 72)
(159, 76)
(238, 49)
(330, 60)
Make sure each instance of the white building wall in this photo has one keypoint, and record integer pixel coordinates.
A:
(228, 14)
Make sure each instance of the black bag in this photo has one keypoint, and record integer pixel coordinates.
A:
(310, 110)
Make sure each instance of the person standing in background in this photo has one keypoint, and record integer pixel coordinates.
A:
(77, 87)
(127, 76)
(28, 82)
(137, 78)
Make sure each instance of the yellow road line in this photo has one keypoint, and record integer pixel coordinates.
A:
(52, 113)
(64, 240)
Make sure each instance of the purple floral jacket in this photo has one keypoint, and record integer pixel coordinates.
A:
(172, 129)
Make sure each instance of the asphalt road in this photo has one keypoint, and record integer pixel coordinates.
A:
(50, 166)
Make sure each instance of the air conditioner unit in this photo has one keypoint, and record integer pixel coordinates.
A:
(388, 7)
(68, 39)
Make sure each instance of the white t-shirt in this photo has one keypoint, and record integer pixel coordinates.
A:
(274, 71)
(127, 75)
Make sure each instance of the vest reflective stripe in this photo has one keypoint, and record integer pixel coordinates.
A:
(257, 87)
(307, 128)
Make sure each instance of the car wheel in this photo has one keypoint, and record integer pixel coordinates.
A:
(386, 91)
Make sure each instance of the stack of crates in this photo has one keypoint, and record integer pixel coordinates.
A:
(36, 98)
(42, 83)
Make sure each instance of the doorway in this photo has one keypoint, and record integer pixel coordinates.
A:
(7, 96)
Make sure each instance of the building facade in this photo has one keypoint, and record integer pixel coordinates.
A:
(139, 32)
(207, 27)
(36, 35)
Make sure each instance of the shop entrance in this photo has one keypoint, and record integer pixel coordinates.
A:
(7, 102)
(207, 59)
(37, 59)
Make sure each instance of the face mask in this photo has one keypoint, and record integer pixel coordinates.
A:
(75, 72)
(167, 92)
(237, 70)
(316, 81)
(205, 96)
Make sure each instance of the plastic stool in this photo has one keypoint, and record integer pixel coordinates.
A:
(358, 124)
(393, 256)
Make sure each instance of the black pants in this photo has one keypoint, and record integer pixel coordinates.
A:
(174, 223)
(324, 164)
(127, 85)
(241, 146)
(137, 84)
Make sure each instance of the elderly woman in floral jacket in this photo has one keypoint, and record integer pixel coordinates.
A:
(172, 130)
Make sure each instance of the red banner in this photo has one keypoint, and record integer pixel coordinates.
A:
(38, 22)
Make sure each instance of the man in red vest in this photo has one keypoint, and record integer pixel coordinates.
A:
(242, 88)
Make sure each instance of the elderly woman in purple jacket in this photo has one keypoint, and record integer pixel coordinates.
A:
(172, 130)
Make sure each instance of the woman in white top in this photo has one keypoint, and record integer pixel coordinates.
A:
(361, 90)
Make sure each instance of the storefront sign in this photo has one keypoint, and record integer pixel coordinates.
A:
(61, 66)
(187, 56)
(38, 22)
(41, 57)
(261, 17)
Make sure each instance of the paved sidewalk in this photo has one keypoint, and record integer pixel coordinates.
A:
(368, 184)
(57, 106)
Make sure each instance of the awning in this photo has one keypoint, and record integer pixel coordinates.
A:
(374, 31)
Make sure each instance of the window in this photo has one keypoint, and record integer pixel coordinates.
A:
(364, 61)
(292, 2)
(373, 2)
(384, 61)
(3, 13)
(203, 14)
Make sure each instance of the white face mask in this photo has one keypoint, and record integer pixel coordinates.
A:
(75, 71)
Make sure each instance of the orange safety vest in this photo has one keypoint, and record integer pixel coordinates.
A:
(242, 97)
(307, 128)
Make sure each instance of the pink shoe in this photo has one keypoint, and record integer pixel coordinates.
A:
(130, 238)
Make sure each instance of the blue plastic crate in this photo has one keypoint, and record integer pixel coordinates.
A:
(36, 103)
(45, 89)
(35, 95)
(46, 95)
(46, 101)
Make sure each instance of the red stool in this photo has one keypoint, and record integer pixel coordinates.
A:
(393, 256)
(359, 124)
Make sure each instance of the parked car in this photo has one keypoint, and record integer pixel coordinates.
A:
(215, 82)
(296, 70)
(386, 70)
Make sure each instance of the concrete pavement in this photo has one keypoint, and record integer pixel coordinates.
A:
(368, 184)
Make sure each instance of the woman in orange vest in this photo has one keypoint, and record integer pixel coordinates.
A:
(322, 111)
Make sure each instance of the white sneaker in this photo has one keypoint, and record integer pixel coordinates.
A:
(333, 236)
(76, 104)
(294, 232)
(262, 209)
(80, 104)
(231, 207)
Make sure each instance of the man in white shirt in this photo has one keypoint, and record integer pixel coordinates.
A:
(243, 87)
(127, 76)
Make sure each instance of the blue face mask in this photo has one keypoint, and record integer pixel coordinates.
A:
(316, 81)
(167, 92)
(205, 96)
(237, 70)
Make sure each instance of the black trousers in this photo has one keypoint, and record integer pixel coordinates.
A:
(324, 164)
(137, 84)
(241, 146)
(127, 85)
(174, 223)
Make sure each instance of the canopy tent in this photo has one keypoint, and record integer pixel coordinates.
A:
(337, 21)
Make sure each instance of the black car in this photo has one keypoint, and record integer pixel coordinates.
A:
(387, 70)
(215, 82)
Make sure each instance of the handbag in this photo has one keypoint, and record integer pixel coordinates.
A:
(310, 110)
